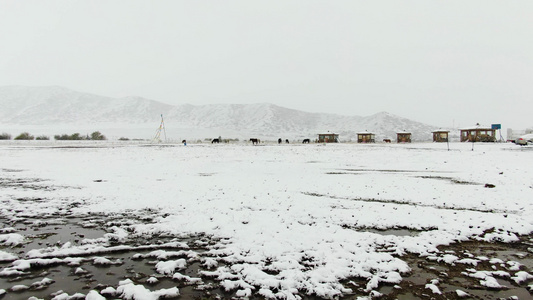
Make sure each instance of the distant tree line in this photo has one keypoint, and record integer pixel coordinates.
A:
(24, 136)
(95, 136)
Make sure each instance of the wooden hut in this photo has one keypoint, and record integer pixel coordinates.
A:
(440, 136)
(366, 137)
(328, 138)
(478, 133)
(403, 137)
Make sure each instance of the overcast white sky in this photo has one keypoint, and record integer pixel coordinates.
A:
(439, 62)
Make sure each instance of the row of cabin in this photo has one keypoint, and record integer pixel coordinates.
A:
(476, 133)
(472, 134)
(363, 137)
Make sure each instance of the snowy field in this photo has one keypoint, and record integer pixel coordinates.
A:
(269, 221)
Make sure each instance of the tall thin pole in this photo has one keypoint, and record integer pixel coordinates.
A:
(157, 137)
(164, 129)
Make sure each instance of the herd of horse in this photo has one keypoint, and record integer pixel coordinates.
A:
(254, 141)
(257, 141)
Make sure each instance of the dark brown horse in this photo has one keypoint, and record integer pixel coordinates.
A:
(306, 141)
(255, 141)
(387, 140)
(215, 141)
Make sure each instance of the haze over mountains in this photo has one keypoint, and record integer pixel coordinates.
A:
(45, 109)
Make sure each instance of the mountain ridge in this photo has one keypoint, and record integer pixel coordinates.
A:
(46, 106)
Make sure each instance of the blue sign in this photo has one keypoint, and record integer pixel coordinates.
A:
(496, 126)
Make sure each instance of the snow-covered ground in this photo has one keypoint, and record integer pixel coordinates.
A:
(288, 220)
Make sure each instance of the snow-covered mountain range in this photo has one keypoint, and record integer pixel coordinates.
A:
(46, 107)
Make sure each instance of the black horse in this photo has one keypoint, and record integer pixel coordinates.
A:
(306, 141)
(287, 141)
(215, 141)
(279, 141)
(255, 141)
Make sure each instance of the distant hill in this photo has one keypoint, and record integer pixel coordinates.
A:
(49, 106)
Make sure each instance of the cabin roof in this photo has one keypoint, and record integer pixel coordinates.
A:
(477, 127)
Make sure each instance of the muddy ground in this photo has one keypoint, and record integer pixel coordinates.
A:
(137, 261)
(135, 265)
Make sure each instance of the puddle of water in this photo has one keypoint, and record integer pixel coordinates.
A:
(396, 232)
(450, 179)
(42, 233)
(390, 171)
(521, 293)
(386, 289)
(46, 232)
(407, 296)
(452, 277)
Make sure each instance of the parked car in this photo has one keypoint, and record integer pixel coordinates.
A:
(524, 140)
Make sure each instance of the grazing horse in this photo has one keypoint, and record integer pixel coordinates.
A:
(306, 141)
(255, 141)
(287, 141)
(215, 141)
(386, 140)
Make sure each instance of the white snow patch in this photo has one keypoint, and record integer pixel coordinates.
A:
(188, 279)
(152, 280)
(293, 211)
(130, 291)
(42, 284)
(11, 239)
(6, 256)
(209, 263)
(109, 292)
(65, 296)
(80, 270)
(168, 267)
(521, 277)
(105, 261)
(118, 234)
(94, 295)
(7, 230)
(434, 289)
(19, 287)
(514, 265)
